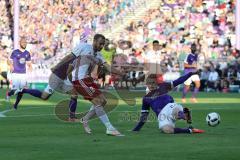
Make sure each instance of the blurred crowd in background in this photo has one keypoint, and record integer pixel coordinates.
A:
(54, 26)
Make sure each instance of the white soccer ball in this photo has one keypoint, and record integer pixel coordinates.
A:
(213, 119)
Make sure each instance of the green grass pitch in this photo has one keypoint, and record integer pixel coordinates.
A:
(33, 132)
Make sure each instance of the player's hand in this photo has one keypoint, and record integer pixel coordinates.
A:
(11, 68)
(187, 112)
(30, 69)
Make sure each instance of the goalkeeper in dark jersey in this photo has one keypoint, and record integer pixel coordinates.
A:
(167, 111)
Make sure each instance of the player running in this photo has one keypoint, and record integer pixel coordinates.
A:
(58, 79)
(84, 83)
(57, 82)
(167, 111)
(19, 59)
(190, 65)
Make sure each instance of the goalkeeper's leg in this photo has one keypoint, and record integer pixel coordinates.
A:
(172, 130)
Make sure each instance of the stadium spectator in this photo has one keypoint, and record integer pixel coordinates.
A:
(213, 79)
(175, 25)
(204, 78)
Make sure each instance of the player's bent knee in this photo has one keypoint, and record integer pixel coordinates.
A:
(100, 100)
(103, 102)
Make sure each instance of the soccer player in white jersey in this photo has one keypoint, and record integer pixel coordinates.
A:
(83, 82)
(152, 61)
(57, 82)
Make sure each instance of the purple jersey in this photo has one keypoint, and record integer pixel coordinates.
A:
(190, 59)
(156, 104)
(19, 60)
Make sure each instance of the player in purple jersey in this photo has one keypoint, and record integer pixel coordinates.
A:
(56, 81)
(19, 59)
(190, 65)
(164, 107)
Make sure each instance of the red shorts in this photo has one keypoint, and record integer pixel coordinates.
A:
(87, 88)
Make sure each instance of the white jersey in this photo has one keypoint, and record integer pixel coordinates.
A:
(153, 57)
(152, 62)
(84, 65)
(83, 49)
(86, 61)
(166, 116)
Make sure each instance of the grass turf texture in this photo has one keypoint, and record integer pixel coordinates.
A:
(34, 132)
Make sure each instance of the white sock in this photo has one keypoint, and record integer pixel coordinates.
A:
(103, 117)
(90, 114)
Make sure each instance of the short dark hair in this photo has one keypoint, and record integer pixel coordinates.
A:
(97, 36)
(151, 79)
(194, 44)
(155, 41)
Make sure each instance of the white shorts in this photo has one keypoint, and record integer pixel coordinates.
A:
(191, 79)
(19, 81)
(59, 85)
(165, 117)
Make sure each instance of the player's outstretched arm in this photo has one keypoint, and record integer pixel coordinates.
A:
(29, 64)
(10, 64)
(164, 88)
(141, 122)
(113, 70)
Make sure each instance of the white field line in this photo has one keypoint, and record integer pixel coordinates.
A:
(2, 114)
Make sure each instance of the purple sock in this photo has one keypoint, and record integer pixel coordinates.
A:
(33, 92)
(11, 92)
(195, 92)
(185, 90)
(181, 130)
(181, 79)
(18, 99)
(72, 107)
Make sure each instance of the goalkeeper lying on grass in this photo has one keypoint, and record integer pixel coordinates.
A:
(163, 105)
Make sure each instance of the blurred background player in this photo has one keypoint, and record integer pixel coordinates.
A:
(190, 65)
(152, 61)
(84, 83)
(19, 59)
(164, 107)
